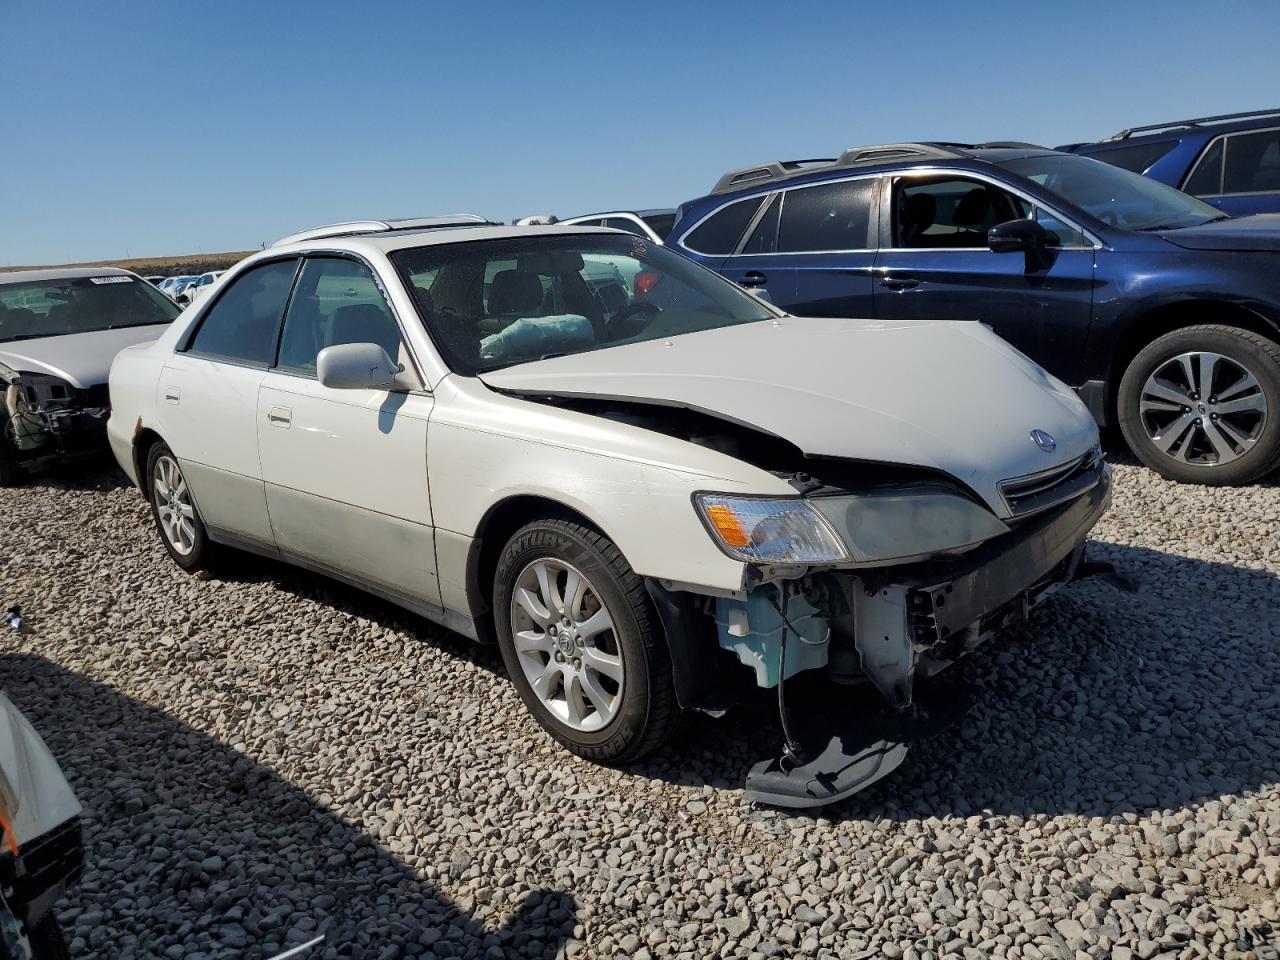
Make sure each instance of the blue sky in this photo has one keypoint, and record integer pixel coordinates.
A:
(141, 129)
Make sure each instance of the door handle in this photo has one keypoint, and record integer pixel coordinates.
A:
(173, 394)
(753, 279)
(899, 283)
(280, 416)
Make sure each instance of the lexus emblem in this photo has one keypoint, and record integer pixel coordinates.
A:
(1044, 441)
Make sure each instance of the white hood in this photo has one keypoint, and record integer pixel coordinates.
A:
(950, 396)
(82, 359)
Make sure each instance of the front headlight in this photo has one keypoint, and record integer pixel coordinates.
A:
(760, 530)
(899, 526)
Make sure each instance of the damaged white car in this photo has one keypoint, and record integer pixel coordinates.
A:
(59, 330)
(653, 490)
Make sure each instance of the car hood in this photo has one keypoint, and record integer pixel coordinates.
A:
(949, 396)
(82, 359)
(1259, 232)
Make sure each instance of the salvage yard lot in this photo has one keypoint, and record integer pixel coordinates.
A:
(265, 756)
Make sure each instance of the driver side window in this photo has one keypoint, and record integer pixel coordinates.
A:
(950, 213)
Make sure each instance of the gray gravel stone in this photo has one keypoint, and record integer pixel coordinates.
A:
(265, 756)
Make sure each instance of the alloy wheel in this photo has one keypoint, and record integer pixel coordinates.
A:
(564, 638)
(1203, 409)
(174, 509)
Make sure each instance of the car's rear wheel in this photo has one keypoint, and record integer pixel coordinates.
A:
(182, 531)
(582, 643)
(1202, 405)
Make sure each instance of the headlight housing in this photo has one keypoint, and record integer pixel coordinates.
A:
(905, 525)
(879, 527)
(766, 530)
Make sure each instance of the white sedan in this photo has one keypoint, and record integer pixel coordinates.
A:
(660, 497)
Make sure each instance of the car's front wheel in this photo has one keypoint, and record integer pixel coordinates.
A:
(582, 643)
(178, 520)
(1202, 405)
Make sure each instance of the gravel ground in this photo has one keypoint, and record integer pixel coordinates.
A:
(266, 757)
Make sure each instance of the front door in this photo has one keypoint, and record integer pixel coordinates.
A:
(208, 401)
(346, 470)
(936, 266)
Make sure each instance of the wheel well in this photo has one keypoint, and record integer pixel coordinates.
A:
(1175, 316)
(496, 528)
(142, 444)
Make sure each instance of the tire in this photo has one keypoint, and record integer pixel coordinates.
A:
(189, 544)
(1177, 430)
(612, 698)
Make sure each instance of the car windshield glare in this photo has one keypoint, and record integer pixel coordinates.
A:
(494, 303)
(1116, 197)
(52, 308)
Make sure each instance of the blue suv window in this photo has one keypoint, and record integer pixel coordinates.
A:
(719, 234)
(952, 213)
(828, 216)
(1137, 158)
(1206, 179)
(1253, 162)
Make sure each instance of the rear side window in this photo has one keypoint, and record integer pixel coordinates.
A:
(336, 301)
(1206, 179)
(829, 216)
(1136, 158)
(243, 324)
(1253, 163)
(764, 238)
(720, 233)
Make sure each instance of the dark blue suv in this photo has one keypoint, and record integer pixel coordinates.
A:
(1161, 311)
(1231, 161)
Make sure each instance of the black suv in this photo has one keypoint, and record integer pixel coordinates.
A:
(1161, 311)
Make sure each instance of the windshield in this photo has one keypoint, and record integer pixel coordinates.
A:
(51, 308)
(1116, 197)
(494, 303)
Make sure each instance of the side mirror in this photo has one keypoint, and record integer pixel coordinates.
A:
(1026, 236)
(1015, 235)
(358, 366)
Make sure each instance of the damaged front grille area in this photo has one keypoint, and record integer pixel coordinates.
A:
(42, 414)
(1036, 492)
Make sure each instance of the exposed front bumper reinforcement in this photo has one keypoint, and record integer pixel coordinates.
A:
(870, 743)
(907, 629)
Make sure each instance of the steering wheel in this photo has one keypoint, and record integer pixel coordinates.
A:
(622, 324)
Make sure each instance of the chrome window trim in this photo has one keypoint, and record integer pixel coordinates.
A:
(779, 192)
(1222, 174)
(960, 173)
(747, 234)
(724, 206)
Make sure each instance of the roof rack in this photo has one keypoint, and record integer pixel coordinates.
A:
(1194, 122)
(359, 227)
(854, 156)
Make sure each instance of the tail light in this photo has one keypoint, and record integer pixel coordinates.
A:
(645, 281)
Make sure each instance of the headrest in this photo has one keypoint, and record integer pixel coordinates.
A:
(920, 210)
(515, 291)
(974, 207)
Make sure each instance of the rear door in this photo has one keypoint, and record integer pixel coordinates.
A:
(209, 399)
(936, 265)
(827, 232)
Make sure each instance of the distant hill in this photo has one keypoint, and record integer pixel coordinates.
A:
(158, 266)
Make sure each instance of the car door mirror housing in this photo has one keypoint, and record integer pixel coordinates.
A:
(359, 366)
(1013, 236)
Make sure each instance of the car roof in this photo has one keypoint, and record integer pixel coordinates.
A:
(391, 241)
(62, 273)
(1196, 126)
(888, 156)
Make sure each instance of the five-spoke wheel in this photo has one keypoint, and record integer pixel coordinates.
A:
(176, 514)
